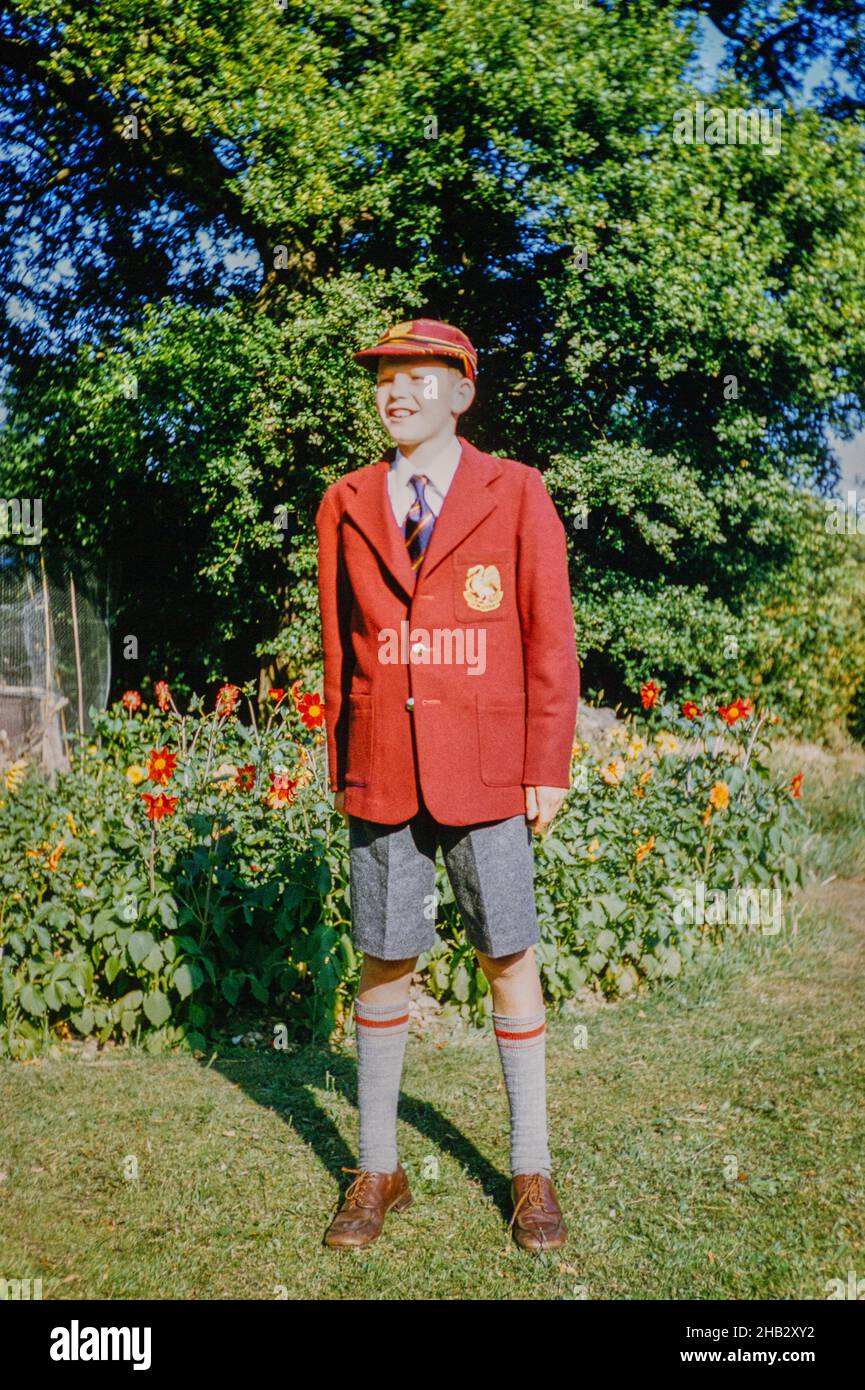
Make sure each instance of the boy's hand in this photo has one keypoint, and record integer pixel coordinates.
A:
(339, 804)
(542, 804)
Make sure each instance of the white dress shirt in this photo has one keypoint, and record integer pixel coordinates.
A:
(440, 472)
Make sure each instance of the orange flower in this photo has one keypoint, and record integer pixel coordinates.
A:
(311, 710)
(282, 788)
(719, 796)
(690, 710)
(163, 695)
(244, 778)
(643, 850)
(158, 806)
(227, 700)
(738, 709)
(613, 772)
(160, 765)
(276, 693)
(649, 693)
(131, 700)
(796, 785)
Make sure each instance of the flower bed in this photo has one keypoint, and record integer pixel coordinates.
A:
(191, 868)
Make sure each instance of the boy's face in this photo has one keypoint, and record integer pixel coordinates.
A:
(420, 397)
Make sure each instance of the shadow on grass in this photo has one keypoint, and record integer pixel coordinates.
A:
(286, 1083)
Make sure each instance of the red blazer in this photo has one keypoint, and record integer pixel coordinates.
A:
(483, 646)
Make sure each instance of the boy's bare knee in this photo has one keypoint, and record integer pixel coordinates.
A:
(377, 970)
(504, 967)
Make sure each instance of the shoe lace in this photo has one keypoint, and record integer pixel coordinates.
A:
(356, 1189)
(533, 1195)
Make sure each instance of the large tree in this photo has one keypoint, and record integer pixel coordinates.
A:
(212, 205)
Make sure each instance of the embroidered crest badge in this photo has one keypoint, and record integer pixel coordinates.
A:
(483, 590)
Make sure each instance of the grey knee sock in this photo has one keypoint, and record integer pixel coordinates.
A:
(522, 1049)
(382, 1031)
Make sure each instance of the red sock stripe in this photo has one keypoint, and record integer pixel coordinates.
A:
(530, 1033)
(380, 1022)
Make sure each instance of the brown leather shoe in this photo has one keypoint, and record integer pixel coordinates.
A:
(368, 1200)
(539, 1223)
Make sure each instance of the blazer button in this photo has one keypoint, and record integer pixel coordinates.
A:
(409, 704)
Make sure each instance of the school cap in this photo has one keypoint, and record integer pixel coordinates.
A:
(423, 338)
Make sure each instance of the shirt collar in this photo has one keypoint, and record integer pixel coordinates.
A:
(439, 470)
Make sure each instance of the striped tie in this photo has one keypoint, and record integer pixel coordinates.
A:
(419, 522)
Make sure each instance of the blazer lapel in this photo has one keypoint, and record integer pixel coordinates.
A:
(467, 502)
(371, 510)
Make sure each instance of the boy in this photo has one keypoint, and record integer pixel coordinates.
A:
(426, 561)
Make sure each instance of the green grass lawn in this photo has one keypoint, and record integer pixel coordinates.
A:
(707, 1144)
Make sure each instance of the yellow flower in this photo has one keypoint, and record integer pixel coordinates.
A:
(618, 735)
(719, 796)
(643, 850)
(70, 821)
(646, 775)
(636, 746)
(667, 742)
(15, 774)
(592, 849)
(613, 772)
(135, 774)
(225, 775)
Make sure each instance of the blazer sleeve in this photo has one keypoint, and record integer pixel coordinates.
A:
(334, 601)
(552, 669)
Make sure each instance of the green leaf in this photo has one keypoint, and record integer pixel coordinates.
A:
(139, 945)
(32, 1000)
(182, 981)
(157, 1008)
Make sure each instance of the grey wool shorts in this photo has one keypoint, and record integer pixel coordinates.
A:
(392, 884)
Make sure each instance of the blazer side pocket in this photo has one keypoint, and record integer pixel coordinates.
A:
(359, 753)
(502, 739)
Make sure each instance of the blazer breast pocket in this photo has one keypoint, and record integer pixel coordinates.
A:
(358, 768)
(483, 585)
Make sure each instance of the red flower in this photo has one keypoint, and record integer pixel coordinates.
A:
(796, 785)
(131, 700)
(276, 693)
(690, 710)
(227, 700)
(311, 710)
(649, 693)
(163, 695)
(245, 777)
(159, 806)
(282, 788)
(160, 765)
(738, 709)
